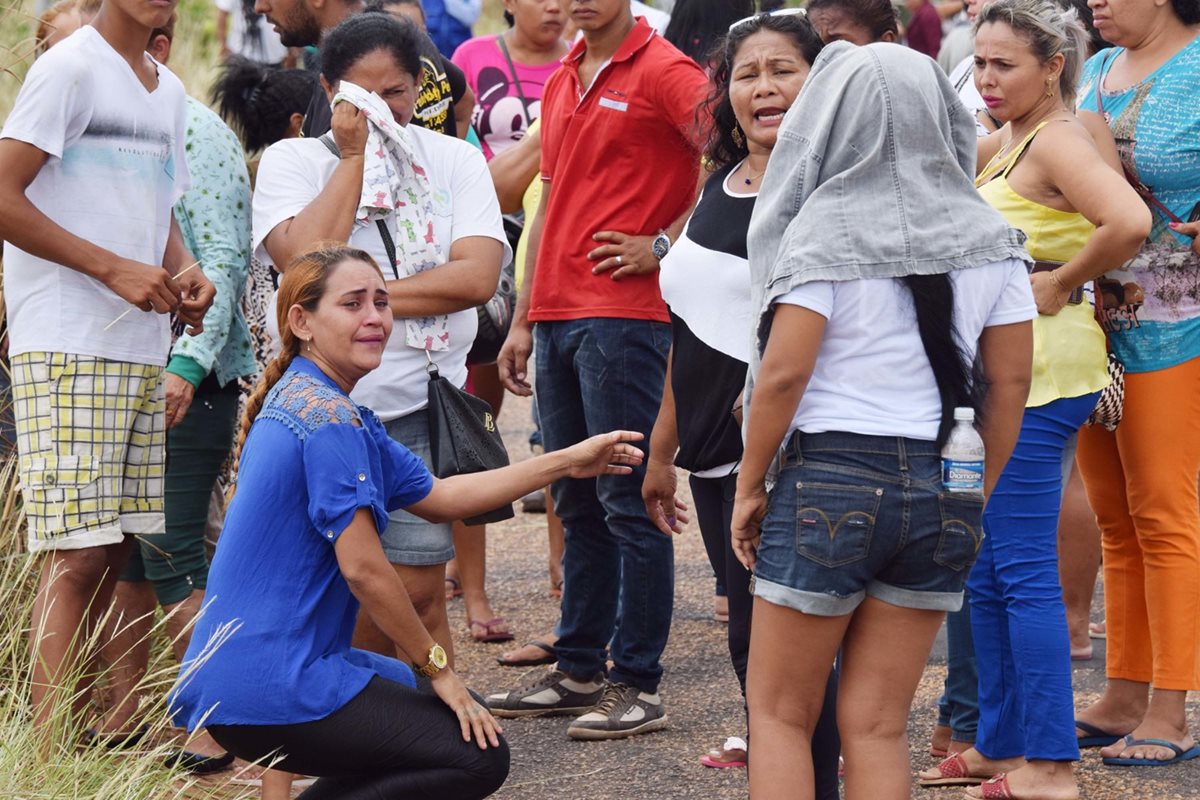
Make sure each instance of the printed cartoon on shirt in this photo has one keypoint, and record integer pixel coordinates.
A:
(500, 116)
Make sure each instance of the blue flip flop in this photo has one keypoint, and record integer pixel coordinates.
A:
(1180, 753)
(1096, 737)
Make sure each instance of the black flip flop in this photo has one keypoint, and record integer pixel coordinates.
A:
(548, 658)
(115, 741)
(1096, 737)
(198, 764)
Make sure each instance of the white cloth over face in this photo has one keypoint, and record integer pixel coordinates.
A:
(394, 183)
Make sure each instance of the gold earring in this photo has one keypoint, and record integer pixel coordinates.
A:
(737, 137)
(1050, 87)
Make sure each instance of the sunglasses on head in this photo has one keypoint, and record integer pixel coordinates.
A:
(780, 12)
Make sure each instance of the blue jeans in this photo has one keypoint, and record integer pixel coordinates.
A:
(595, 376)
(1018, 620)
(958, 707)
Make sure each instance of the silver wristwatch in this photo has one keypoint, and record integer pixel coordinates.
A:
(661, 245)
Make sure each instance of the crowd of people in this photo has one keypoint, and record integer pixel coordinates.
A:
(781, 249)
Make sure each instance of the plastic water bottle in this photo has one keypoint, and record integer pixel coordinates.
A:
(962, 457)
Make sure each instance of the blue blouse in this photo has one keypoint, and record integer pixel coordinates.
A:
(272, 646)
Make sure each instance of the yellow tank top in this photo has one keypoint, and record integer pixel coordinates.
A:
(1068, 348)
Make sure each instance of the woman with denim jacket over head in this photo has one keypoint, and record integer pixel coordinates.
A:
(878, 274)
(705, 281)
(1044, 172)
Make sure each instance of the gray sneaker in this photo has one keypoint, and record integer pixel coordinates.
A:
(552, 693)
(624, 711)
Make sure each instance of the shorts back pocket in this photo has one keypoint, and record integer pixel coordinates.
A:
(962, 530)
(835, 522)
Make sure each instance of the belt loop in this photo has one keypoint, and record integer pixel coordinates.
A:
(796, 448)
(902, 454)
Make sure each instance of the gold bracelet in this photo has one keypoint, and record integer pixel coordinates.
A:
(1057, 281)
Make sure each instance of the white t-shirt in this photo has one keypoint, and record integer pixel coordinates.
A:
(872, 375)
(263, 46)
(116, 168)
(294, 171)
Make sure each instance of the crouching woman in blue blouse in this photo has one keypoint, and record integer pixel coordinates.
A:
(270, 670)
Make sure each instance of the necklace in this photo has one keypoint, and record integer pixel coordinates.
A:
(748, 181)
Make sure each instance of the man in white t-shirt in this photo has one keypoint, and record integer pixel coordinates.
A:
(91, 162)
(244, 32)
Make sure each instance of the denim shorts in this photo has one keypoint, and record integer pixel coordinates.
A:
(855, 515)
(410, 540)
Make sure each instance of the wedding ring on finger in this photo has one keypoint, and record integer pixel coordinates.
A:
(618, 260)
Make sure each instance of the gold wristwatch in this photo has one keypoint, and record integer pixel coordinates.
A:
(435, 664)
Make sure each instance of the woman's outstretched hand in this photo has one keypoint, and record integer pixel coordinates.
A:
(475, 720)
(606, 454)
(749, 509)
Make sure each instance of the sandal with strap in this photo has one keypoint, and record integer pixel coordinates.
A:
(731, 754)
(954, 772)
(547, 656)
(995, 788)
(494, 630)
(453, 588)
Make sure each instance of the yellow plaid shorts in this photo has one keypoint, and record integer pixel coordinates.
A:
(91, 443)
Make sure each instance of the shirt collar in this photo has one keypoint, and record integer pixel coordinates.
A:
(637, 38)
(303, 365)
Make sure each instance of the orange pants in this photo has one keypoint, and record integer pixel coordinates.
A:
(1141, 480)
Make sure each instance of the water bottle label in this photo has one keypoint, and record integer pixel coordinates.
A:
(962, 476)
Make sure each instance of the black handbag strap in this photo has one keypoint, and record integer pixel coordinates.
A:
(512, 68)
(389, 244)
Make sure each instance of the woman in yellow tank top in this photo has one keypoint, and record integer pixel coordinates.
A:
(1046, 174)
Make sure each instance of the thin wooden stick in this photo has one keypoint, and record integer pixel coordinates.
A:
(126, 313)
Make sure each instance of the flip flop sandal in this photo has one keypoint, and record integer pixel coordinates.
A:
(955, 772)
(730, 755)
(995, 788)
(1097, 630)
(453, 588)
(547, 658)
(1096, 737)
(115, 741)
(494, 630)
(1180, 753)
(556, 588)
(198, 764)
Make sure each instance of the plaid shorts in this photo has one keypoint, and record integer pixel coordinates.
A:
(91, 443)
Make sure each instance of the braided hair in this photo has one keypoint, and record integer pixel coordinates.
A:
(258, 100)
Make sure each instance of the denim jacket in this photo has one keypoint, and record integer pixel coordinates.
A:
(872, 176)
(214, 216)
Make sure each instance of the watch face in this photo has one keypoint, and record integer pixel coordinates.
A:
(438, 656)
(661, 246)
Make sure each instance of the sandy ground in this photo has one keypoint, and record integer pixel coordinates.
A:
(699, 688)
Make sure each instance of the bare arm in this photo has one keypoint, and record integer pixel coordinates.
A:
(787, 366)
(375, 584)
(462, 113)
(1006, 352)
(223, 31)
(637, 256)
(467, 495)
(658, 487)
(467, 280)
(513, 361)
(1071, 164)
(515, 168)
(330, 215)
(24, 225)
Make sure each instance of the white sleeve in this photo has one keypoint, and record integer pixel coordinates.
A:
(286, 183)
(1015, 301)
(54, 106)
(183, 178)
(476, 211)
(815, 296)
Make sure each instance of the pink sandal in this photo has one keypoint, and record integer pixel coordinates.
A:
(995, 788)
(729, 755)
(954, 772)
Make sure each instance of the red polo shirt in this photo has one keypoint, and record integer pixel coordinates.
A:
(621, 156)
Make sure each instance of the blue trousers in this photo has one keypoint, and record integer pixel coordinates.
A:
(595, 376)
(1019, 623)
(958, 707)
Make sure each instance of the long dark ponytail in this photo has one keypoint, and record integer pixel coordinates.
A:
(258, 101)
(959, 383)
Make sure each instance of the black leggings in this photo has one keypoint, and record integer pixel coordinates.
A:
(389, 741)
(713, 499)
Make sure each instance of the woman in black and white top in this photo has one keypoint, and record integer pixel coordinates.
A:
(706, 282)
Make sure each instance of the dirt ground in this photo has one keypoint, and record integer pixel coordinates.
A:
(699, 689)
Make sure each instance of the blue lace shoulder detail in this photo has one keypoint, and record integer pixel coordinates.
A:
(303, 404)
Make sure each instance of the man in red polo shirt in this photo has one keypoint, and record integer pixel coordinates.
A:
(620, 157)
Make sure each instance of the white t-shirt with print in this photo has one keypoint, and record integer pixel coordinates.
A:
(872, 375)
(116, 166)
(294, 171)
(261, 44)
